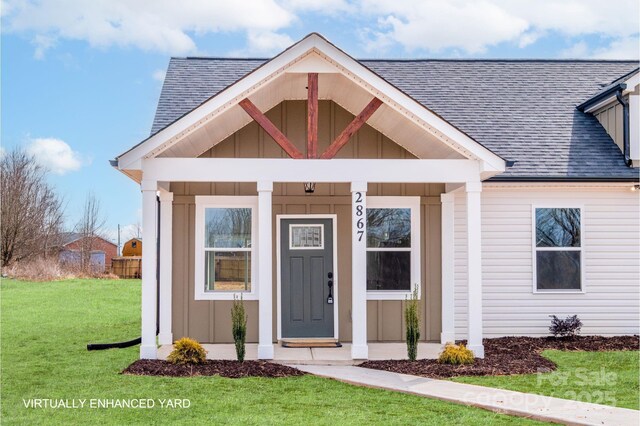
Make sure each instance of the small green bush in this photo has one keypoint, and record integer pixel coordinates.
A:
(187, 351)
(412, 320)
(456, 355)
(239, 324)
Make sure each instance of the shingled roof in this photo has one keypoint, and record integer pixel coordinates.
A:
(523, 110)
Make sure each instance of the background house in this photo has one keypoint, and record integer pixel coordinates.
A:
(100, 251)
(133, 247)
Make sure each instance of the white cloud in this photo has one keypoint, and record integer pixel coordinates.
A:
(162, 26)
(626, 48)
(578, 50)
(473, 26)
(55, 154)
(268, 41)
(159, 75)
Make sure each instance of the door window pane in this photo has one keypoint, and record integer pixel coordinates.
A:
(558, 227)
(227, 271)
(388, 228)
(306, 236)
(388, 270)
(558, 270)
(227, 227)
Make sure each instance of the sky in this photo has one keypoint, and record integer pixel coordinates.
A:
(80, 79)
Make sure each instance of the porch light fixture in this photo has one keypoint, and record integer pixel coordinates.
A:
(309, 187)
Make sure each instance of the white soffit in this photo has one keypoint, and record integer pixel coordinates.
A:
(284, 78)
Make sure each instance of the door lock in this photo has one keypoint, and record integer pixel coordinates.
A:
(330, 284)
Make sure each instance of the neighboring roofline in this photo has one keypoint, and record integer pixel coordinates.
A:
(561, 179)
(84, 236)
(493, 159)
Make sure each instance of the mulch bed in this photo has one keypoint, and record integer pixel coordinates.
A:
(231, 369)
(509, 355)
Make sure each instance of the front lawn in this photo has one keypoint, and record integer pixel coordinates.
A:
(609, 378)
(45, 328)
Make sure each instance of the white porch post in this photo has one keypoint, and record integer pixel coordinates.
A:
(474, 268)
(265, 259)
(165, 337)
(148, 347)
(448, 252)
(359, 348)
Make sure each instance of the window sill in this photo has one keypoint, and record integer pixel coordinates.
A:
(559, 292)
(389, 295)
(226, 295)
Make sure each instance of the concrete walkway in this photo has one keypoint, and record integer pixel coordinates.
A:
(502, 401)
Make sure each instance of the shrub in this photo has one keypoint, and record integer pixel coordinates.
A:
(456, 355)
(412, 320)
(239, 324)
(568, 327)
(187, 351)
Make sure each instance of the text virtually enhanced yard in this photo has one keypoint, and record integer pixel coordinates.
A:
(48, 376)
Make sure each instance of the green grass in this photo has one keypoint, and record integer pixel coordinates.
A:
(609, 378)
(45, 329)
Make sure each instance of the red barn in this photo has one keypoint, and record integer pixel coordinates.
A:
(102, 251)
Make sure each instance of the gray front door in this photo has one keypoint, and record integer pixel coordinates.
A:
(306, 250)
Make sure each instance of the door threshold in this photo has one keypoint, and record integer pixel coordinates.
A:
(310, 343)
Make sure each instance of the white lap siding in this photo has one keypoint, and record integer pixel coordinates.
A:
(611, 262)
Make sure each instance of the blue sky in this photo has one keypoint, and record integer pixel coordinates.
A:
(80, 79)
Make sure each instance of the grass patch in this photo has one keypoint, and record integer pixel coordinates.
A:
(609, 378)
(45, 329)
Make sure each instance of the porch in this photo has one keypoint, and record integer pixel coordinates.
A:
(316, 356)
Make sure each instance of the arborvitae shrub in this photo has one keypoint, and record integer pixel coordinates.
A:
(239, 324)
(412, 320)
(187, 351)
(568, 327)
(456, 355)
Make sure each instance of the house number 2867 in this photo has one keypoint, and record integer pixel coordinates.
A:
(359, 216)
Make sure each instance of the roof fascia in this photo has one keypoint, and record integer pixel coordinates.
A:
(351, 68)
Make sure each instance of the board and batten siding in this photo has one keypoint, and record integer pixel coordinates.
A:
(611, 244)
(210, 321)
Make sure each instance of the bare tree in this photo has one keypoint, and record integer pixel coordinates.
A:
(31, 211)
(91, 226)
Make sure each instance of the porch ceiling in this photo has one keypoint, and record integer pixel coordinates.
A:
(332, 86)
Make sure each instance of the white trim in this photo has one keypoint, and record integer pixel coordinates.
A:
(336, 281)
(265, 270)
(320, 247)
(165, 335)
(474, 268)
(216, 201)
(448, 267)
(535, 248)
(359, 346)
(400, 202)
(292, 170)
(148, 343)
(349, 67)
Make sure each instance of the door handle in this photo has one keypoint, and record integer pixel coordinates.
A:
(330, 296)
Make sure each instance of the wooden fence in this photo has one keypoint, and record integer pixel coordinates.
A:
(127, 267)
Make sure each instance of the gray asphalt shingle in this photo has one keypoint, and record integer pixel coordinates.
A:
(523, 110)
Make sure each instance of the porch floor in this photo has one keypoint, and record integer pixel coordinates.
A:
(316, 356)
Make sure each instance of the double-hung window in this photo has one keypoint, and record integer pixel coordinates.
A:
(557, 259)
(393, 247)
(225, 244)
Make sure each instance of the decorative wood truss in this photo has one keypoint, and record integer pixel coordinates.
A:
(312, 124)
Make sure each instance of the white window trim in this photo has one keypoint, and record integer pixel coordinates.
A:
(202, 203)
(412, 203)
(293, 225)
(535, 249)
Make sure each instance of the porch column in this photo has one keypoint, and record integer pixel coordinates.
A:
(148, 347)
(448, 259)
(165, 337)
(265, 259)
(359, 348)
(474, 269)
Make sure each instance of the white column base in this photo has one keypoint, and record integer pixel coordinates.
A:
(359, 352)
(478, 350)
(165, 338)
(148, 352)
(447, 337)
(265, 351)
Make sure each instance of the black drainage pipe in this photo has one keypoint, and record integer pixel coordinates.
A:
(138, 340)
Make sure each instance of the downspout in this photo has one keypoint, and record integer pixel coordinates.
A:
(625, 126)
(138, 340)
